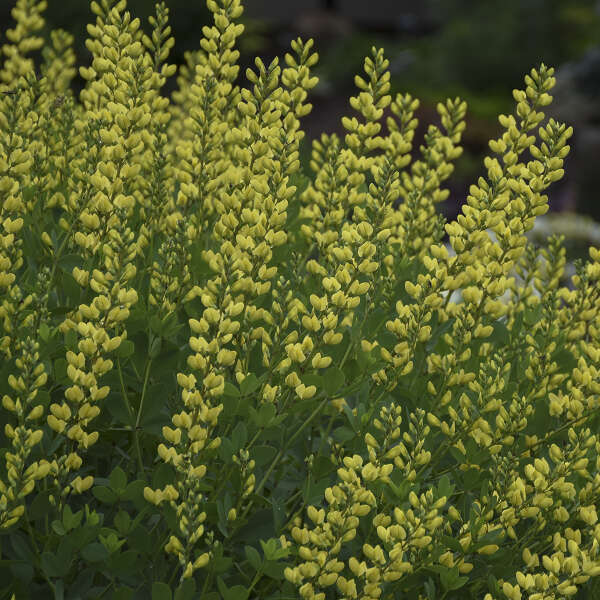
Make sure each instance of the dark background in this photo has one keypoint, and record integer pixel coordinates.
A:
(437, 48)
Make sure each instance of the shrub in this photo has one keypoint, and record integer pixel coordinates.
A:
(340, 428)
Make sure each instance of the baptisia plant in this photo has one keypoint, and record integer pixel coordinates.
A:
(222, 378)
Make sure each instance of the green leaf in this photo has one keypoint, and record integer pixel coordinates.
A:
(125, 349)
(269, 547)
(249, 385)
(67, 262)
(452, 543)
(154, 413)
(239, 436)
(265, 414)
(343, 434)
(118, 480)
(279, 515)
(122, 522)
(314, 491)
(161, 591)
(352, 418)
(237, 592)
(333, 380)
(457, 454)
(198, 266)
(71, 288)
(44, 332)
(123, 593)
(231, 390)
(22, 571)
(163, 475)
(155, 347)
(226, 450)
(134, 492)
(259, 525)
(493, 585)
(71, 339)
(60, 371)
(21, 547)
(444, 487)
(125, 564)
(186, 590)
(57, 526)
(458, 583)
(274, 569)
(104, 494)
(53, 565)
(40, 506)
(565, 360)
(70, 520)
(263, 454)
(500, 335)
(253, 557)
(94, 552)
(322, 466)
(313, 379)
(222, 564)
(429, 586)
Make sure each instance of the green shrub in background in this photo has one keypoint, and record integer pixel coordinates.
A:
(340, 428)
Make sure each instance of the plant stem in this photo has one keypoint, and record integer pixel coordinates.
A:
(136, 440)
(283, 451)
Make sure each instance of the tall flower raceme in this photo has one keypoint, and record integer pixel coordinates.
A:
(15, 101)
(197, 123)
(23, 402)
(23, 38)
(157, 175)
(201, 100)
(121, 83)
(340, 175)
(204, 108)
(485, 208)
(19, 342)
(217, 57)
(59, 65)
(240, 266)
(421, 189)
(350, 258)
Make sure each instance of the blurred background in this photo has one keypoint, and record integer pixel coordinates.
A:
(479, 51)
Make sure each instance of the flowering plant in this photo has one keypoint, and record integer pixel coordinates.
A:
(224, 379)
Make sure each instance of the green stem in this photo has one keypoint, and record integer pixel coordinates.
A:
(256, 579)
(37, 551)
(136, 440)
(207, 581)
(283, 451)
(146, 377)
(310, 251)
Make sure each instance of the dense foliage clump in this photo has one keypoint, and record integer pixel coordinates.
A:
(224, 379)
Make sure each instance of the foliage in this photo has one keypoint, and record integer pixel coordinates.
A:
(224, 379)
